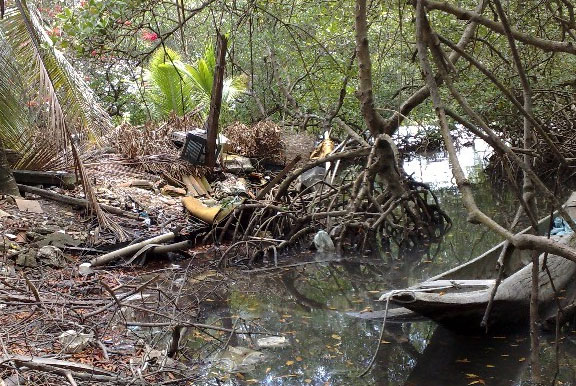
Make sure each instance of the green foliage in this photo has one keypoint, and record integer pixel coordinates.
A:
(169, 88)
(176, 87)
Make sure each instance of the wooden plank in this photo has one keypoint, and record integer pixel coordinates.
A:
(206, 184)
(198, 186)
(191, 190)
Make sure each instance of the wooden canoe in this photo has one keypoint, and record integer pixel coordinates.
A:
(458, 297)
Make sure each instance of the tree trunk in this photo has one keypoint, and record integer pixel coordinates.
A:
(7, 181)
(386, 154)
(215, 101)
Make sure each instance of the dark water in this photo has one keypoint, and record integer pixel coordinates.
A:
(309, 305)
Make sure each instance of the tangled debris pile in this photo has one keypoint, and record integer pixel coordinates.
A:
(125, 325)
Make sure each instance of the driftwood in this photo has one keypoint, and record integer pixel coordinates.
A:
(75, 201)
(134, 248)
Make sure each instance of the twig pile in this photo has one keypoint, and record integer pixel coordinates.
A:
(262, 141)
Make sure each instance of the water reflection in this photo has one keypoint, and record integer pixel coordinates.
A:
(309, 304)
(434, 168)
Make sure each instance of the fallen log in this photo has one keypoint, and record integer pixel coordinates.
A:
(134, 248)
(75, 201)
(34, 177)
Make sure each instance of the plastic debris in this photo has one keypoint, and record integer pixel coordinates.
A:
(323, 242)
(272, 341)
(73, 341)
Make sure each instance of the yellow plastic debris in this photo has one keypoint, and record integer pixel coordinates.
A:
(205, 213)
(323, 149)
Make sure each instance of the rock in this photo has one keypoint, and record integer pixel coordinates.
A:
(74, 342)
(52, 256)
(27, 258)
(58, 239)
(323, 242)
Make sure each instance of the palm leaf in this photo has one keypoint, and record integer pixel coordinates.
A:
(168, 87)
(55, 80)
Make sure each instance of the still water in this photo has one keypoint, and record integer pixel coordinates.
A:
(310, 305)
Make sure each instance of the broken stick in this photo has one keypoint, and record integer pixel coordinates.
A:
(75, 201)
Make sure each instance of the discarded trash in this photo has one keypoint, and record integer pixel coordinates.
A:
(272, 341)
(85, 269)
(239, 359)
(323, 149)
(207, 214)
(560, 227)
(312, 176)
(237, 163)
(323, 242)
(31, 206)
(73, 341)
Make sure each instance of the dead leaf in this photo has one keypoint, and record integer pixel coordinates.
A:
(336, 336)
(289, 363)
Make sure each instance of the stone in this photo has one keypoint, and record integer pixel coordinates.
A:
(59, 240)
(52, 256)
(323, 242)
(27, 258)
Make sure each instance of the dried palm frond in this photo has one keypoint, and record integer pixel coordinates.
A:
(151, 149)
(52, 75)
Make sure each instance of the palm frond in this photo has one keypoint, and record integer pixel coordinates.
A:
(177, 87)
(56, 80)
(168, 87)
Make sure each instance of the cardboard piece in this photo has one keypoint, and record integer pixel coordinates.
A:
(31, 206)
